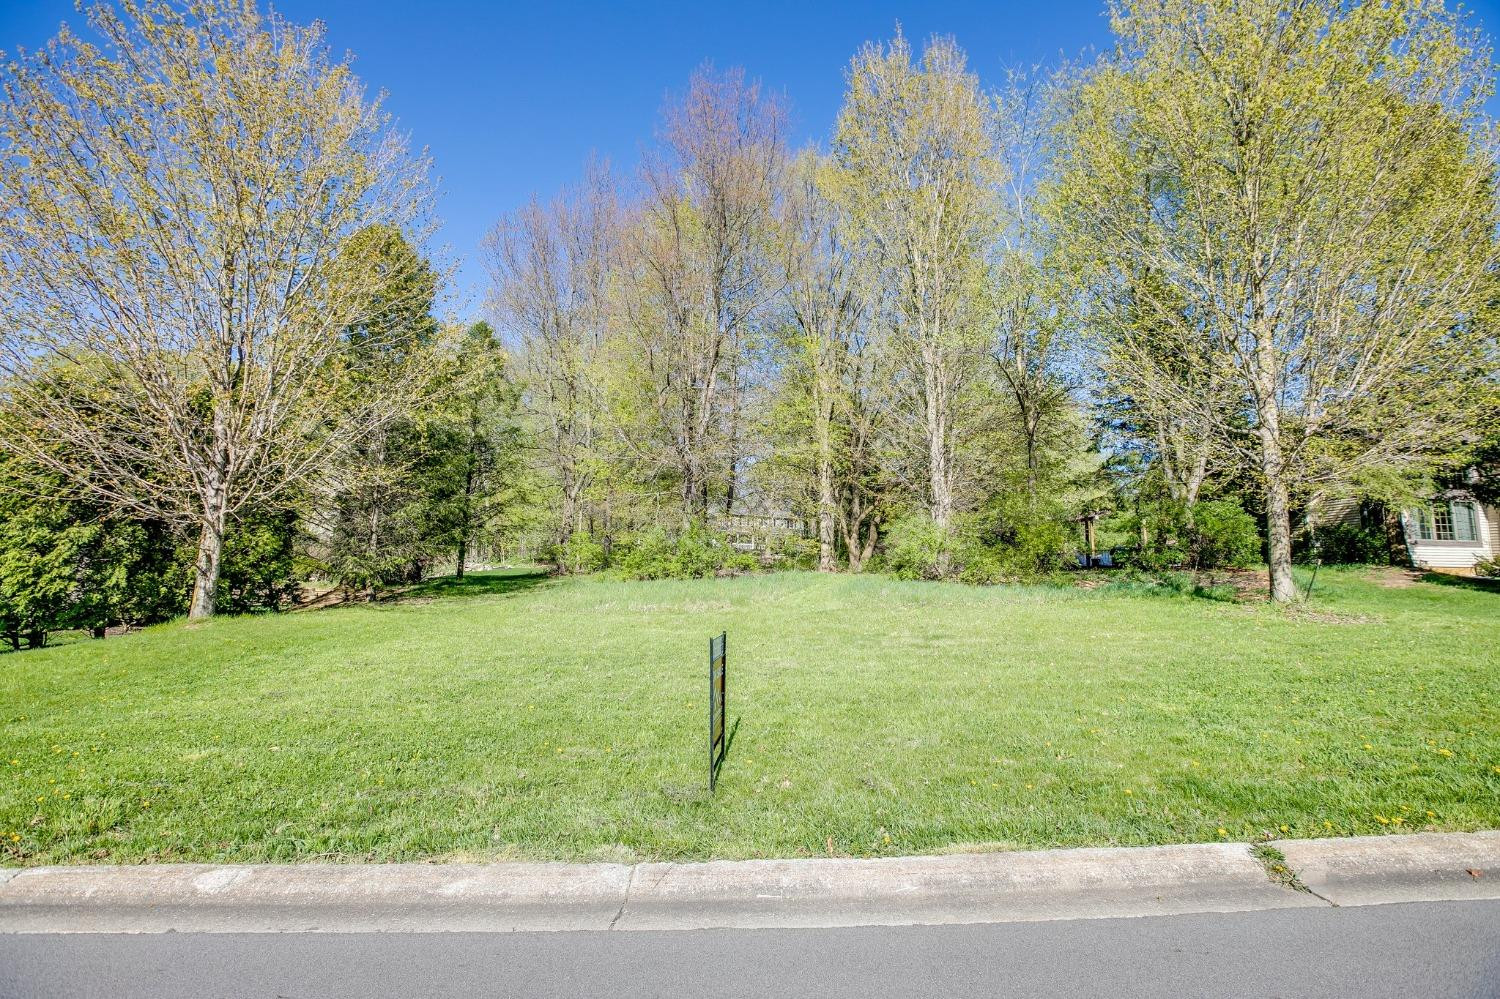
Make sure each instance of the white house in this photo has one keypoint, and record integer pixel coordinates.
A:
(1453, 531)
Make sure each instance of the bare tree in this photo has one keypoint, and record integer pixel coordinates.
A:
(173, 206)
(1031, 349)
(551, 268)
(702, 272)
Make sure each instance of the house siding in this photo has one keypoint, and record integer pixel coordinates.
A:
(1342, 510)
(1456, 555)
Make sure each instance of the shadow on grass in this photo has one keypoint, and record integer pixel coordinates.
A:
(1462, 582)
(1171, 584)
(474, 584)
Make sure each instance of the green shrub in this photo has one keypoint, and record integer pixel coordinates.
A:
(581, 553)
(1224, 536)
(1489, 568)
(981, 565)
(1352, 544)
(690, 554)
(978, 548)
(259, 571)
(792, 551)
(1034, 546)
(67, 562)
(917, 548)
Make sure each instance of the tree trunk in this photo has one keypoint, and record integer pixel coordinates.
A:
(825, 488)
(1273, 469)
(1278, 515)
(206, 569)
(466, 523)
(941, 501)
(871, 536)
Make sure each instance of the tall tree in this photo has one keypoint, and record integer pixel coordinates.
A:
(173, 200)
(1031, 349)
(915, 149)
(701, 275)
(1311, 186)
(551, 268)
(379, 518)
(825, 301)
(480, 429)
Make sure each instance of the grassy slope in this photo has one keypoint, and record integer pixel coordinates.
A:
(522, 717)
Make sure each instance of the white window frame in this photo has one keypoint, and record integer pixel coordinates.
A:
(1426, 528)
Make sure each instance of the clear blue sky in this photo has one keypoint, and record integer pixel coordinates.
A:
(511, 98)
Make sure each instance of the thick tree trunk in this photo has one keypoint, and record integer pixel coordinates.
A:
(1273, 469)
(1279, 542)
(206, 569)
(1278, 510)
(941, 499)
(210, 541)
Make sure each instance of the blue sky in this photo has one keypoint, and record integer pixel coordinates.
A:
(511, 98)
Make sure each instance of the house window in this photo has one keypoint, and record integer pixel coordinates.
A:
(1455, 521)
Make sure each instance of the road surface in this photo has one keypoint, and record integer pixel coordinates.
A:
(1427, 949)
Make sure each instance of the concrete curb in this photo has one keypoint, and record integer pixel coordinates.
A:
(1058, 884)
(309, 897)
(974, 888)
(1422, 867)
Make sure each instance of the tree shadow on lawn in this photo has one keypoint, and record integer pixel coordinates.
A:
(1462, 582)
(473, 584)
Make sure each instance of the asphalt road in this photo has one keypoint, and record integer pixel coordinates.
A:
(1418, 949)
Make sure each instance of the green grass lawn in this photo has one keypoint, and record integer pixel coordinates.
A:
(515, 716)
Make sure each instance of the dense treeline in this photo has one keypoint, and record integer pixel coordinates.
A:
(1180, 295)
(1187, 293)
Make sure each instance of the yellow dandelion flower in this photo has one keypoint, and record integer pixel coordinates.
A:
(1431, 814)
(1129, 791)
(1223, 831)
(1382, 820)
(1284, 828)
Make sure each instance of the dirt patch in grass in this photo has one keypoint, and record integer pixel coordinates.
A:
(1394, 577)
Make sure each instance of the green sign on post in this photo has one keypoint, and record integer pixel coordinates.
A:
(718, 660)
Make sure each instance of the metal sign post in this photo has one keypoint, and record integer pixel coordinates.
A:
(718, 662)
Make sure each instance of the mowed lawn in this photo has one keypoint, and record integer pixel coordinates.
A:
(519, 717)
